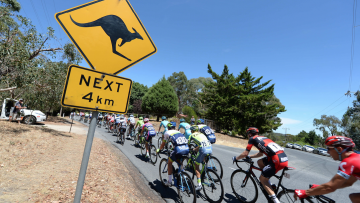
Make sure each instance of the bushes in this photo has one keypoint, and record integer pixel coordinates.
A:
(187, 110)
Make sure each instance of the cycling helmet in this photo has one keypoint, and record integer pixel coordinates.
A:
(146, 120)
(182, 120)
(131, 115)
(140, 118)
(252, 131)
(194, 128)
(200, 121)
(340, 141)
(171, 125)
(163, 118)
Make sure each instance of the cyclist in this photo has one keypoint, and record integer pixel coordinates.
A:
(122, 125)
(148, 131)
(274, 161)
(163, 123)
(181, 148)
(138, 126)
(203, 148)
(86, 115)
(206, 130)
(340, 148)
(100, 118)
(186, 127)
(131, 124)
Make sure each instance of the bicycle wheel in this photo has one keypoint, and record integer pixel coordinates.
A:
(243, 186)
(152, 154)
(186, 188)
(118, 138)
(213, 190)
(163, 170)
(123, 139)
(142, 147)
(214, 164)
(159, 142)
(188, 166)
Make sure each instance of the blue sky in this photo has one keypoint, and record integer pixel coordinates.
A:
(304, 47)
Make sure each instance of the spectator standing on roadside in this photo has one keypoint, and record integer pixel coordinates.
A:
(192, 120)
(18, 106)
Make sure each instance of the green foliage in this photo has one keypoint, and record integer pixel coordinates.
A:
(327, 124)
(351, 122)
(311, 138)
(137, 92)
(160, 99)
(302, 134)
(237, 103)
(179, 82)
(187, 110)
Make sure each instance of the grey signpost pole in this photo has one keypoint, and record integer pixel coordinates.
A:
(85, 159)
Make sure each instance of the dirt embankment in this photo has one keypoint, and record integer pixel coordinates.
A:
(38, 164)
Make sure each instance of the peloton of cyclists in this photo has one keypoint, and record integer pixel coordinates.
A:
(149, 132)
(181, 148)
(203, 148)
(274, 161)
(340, 148)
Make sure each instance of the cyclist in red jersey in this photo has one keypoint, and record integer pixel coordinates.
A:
(340, 148)
(274, 161)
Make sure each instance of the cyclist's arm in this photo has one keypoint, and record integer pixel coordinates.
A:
(259, 154)
(242, 155)
(335, 183)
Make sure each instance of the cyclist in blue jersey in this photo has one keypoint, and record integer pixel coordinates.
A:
(186, 128)
(207, 131)
(163, 123)
(181, 148)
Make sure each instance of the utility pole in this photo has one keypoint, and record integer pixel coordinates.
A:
(286, 131)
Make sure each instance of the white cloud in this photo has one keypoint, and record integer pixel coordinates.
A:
(288, 121)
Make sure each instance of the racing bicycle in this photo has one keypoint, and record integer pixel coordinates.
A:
(210, 180)
(244, 187)
(152, 149)
(182, 181)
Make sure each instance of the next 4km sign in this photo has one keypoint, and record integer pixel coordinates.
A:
(88, 89)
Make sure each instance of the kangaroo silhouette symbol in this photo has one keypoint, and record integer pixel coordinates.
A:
(115, 28)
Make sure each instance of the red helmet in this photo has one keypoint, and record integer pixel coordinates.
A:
(252, 131)
(146, 120)
(341, 141)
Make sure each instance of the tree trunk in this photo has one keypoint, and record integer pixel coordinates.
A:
(157, 119)
(60, 111)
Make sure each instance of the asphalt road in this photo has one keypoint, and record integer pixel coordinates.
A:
(310, 169)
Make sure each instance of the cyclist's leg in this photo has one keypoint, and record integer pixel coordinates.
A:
(355, 197)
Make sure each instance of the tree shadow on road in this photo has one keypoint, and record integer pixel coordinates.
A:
(54, 132)
(165, 192)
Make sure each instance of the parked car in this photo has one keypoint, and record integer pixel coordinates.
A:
(320, 151)
(289, 145)
(27, 115)
(307, 148)
(297, 146)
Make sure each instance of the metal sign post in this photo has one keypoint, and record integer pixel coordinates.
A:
(85, 159)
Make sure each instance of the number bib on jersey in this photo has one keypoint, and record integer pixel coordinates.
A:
(178, 139)
(209, 134)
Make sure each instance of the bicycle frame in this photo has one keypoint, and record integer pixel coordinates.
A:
(180, 170)
(250, 172)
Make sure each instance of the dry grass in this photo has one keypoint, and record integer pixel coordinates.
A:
(42, 165)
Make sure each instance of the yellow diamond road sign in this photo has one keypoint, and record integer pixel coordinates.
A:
(88, 89)
(108, 34)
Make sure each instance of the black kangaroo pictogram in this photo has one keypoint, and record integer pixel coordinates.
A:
(115, 28)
